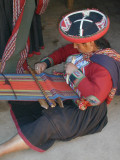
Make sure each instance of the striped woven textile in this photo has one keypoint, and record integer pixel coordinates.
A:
(26, 89)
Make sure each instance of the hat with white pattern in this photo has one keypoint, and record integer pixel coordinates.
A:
(84, 26)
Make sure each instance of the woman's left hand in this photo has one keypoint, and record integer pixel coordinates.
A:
(70, 68)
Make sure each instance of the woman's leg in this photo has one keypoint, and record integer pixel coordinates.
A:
(14, 144)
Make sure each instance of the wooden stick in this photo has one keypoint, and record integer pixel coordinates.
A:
(51, 103)
(60, 102)
(43, 103)
(70, 4)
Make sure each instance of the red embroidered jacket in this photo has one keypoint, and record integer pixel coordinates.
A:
(94, 85)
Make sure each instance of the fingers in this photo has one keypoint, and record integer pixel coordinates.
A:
(40, 67)
(70, 68)
(37, 69)
(67, 68)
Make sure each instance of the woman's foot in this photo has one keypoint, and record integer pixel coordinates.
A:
(14, 144)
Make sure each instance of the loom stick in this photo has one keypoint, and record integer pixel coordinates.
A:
(60, 102)
(51, 103)
(43, 103)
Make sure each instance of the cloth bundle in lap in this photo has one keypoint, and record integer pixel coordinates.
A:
(22, 87)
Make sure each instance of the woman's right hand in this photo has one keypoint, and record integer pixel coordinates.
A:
(40, 67)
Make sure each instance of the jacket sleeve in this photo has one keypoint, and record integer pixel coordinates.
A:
(59, 55)
(93, 86)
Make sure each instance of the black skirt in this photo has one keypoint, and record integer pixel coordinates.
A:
(6, 27)
(39, 127)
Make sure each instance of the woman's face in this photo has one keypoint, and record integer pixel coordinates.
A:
(86, 47)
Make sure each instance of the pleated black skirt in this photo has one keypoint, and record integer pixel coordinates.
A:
(39, 127)
(6, 27)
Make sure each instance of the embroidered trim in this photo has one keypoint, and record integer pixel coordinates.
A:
(18, 10)
(83, 103)
(108, 52)
(41, 6)
(76, 77)
(48, 61)
(93, 100)
(79, 61)
(75, 89)
(111, 95)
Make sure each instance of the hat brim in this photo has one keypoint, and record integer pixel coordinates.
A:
(94, 37)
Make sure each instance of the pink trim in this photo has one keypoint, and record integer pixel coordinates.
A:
(87, 39)
(10, 46)
(42, 47)
(41, 6)
(21, 134)
(32, 54)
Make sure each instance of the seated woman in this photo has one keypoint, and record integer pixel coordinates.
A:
(94, 77)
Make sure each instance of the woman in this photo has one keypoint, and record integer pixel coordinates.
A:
(20, 30)
(90, 75)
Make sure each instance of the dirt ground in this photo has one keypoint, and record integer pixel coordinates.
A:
(101, 146)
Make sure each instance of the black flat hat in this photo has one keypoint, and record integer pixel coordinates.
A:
(84, 26)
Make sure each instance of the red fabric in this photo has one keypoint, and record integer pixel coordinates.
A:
(61, 54)
(41, 6)
(10, 47)
(18, 10)
(33, 53)
(83, 104)
(27, 83)
(86, 39)
(97, 82)
(25, 66)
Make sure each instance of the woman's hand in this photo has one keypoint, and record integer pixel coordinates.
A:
(40, 67)
(70, 68)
